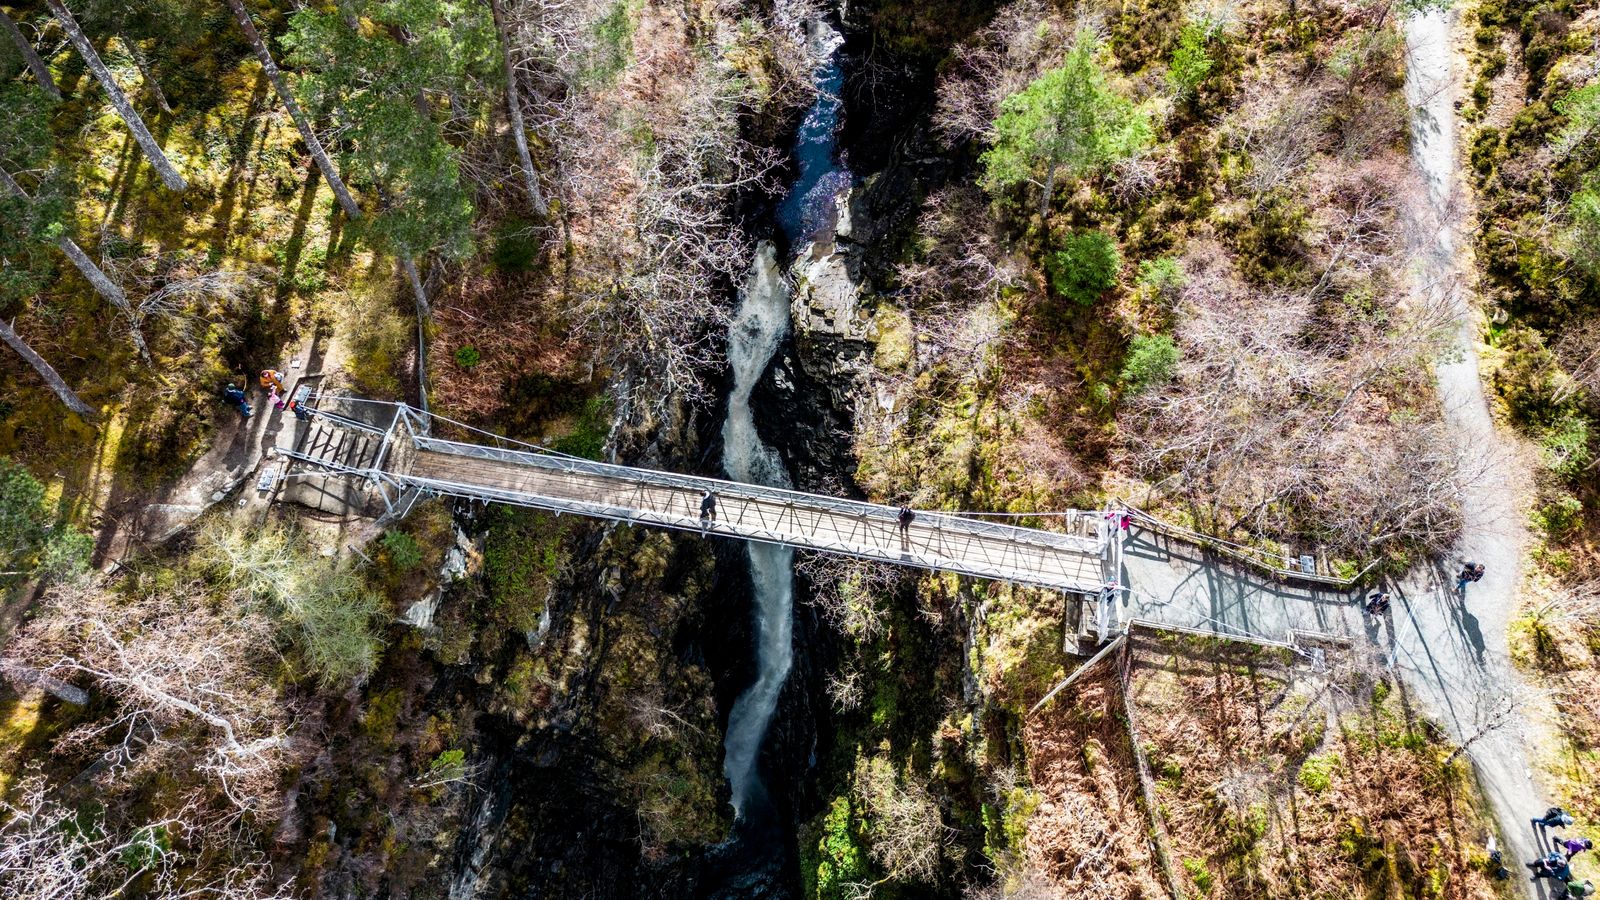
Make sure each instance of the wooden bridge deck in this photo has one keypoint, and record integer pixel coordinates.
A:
(869, 531)
(1079, 558)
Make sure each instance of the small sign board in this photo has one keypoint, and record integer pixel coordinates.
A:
(1308, 564)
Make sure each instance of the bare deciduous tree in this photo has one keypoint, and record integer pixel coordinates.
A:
(653, 717)
(850, 593)
(1280, 130)
(654, 285)
(1577, 349)
(170, 660)
(185, 298)
(906, 833)
(1282, 412)
(51, 850)
(1024, 39)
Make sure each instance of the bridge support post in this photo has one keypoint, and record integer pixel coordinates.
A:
(401, 506)
(1103, 611)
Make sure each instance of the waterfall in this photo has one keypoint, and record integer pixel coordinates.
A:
(759, 328)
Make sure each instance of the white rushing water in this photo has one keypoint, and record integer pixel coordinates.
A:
(759, 327)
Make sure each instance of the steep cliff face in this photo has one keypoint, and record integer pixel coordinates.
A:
(609, 732)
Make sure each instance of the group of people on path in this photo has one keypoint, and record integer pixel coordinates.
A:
(272, 381)
(1377, 604)
(1557, 864)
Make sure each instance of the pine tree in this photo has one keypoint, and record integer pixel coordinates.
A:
(330, 173)
(1068, 120)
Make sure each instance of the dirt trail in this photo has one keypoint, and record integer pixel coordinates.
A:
(1451, 652)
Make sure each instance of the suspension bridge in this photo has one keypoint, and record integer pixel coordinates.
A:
(399, 454)
(395, 450)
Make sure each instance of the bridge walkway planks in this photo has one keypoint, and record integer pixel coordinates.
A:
(869, 531)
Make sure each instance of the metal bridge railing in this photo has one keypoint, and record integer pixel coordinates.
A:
(975, 522)
(853, 508)
(942, 541)
(1270, 563)
(935, 559)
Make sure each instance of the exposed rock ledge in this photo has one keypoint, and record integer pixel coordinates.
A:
(832, 321)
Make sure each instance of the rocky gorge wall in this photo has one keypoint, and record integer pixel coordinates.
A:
(594, 665)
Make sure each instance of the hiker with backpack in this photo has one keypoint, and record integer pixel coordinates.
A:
(1552, 865)
(1554, 817)
(1573, 846)
(233, 395)
(708, 509)
(1576, 889)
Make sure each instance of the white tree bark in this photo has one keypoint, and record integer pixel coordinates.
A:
(329, 172)
(25, 676)
(130, 116)
(46, 371)
(102, 284)
(514, 103)
(424, 311)
(35, 62)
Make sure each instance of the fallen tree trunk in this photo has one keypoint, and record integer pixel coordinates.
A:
(1158, 832)
(25, 677)
(47, 372)
(41, 72)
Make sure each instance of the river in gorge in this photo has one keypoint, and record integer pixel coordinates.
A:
(761, 325)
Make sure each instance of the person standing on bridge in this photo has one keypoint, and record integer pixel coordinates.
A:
(905, 519)
(708, 509)
(1377, 603)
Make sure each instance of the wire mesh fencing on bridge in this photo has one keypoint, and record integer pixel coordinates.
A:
(489, 467)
